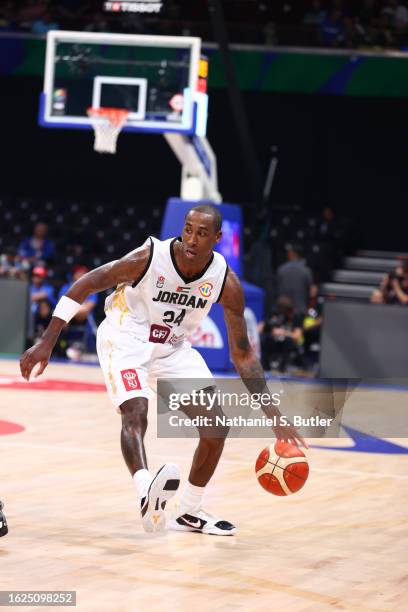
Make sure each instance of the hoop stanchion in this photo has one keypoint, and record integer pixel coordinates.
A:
(107, 124)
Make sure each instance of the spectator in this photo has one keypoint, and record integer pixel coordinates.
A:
(396, 14)
(312, 324)
(38, 248)
(74, 339)
(316, 15)
(11, 265)
(42, 318)
(40, 290)
(44, 24)
(270, 33)
(354, 33)
(401, 17)
(382, 35)
(282, 337)
(295, 279)
(332, 30)
(393, 288)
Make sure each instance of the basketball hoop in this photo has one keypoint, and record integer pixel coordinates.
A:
(107, 123)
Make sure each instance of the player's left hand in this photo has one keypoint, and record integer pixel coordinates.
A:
(39, 353)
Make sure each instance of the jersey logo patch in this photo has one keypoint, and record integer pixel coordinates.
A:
(160, 281)
(205, 289)
(130, 380)
(159, 333)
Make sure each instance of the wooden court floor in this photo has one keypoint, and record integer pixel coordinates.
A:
(339, 544)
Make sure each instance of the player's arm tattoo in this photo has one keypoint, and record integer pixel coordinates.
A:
(242, 354)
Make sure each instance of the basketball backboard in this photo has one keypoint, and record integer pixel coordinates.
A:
(154, 77)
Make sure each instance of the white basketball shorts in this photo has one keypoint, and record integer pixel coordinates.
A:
(131, 367)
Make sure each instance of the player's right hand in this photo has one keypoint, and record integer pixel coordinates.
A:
(39, 353)
(289, 433)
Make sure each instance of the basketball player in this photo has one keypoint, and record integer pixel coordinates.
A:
(3, 522)
(164, 289)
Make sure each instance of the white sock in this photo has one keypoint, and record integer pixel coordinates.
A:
(191, 498)
(142, 479)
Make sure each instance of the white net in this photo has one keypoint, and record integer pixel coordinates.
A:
(107, 124)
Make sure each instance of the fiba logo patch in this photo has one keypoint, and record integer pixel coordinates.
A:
(205, 289)
(130, 380)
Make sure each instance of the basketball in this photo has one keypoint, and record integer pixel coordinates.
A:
(281, 469)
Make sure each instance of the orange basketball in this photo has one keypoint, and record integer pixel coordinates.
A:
(282, 469)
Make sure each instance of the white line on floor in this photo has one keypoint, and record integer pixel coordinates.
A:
(97, 451)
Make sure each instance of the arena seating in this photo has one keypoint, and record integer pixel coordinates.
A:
(92, 233)
(84, 232)
(361, 274)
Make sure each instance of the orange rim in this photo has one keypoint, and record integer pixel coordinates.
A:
(116, 116)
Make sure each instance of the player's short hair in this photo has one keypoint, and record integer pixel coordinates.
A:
(209, 209)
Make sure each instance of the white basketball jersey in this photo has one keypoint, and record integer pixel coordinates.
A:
(164, 306)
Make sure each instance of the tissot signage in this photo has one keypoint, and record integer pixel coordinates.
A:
(133, 6)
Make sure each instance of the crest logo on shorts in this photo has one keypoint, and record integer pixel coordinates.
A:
(160, 281)
(130, 380)
(205, 289)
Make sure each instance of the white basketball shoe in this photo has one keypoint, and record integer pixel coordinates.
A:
(201, 521)
(3, 522)
(162, 488)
